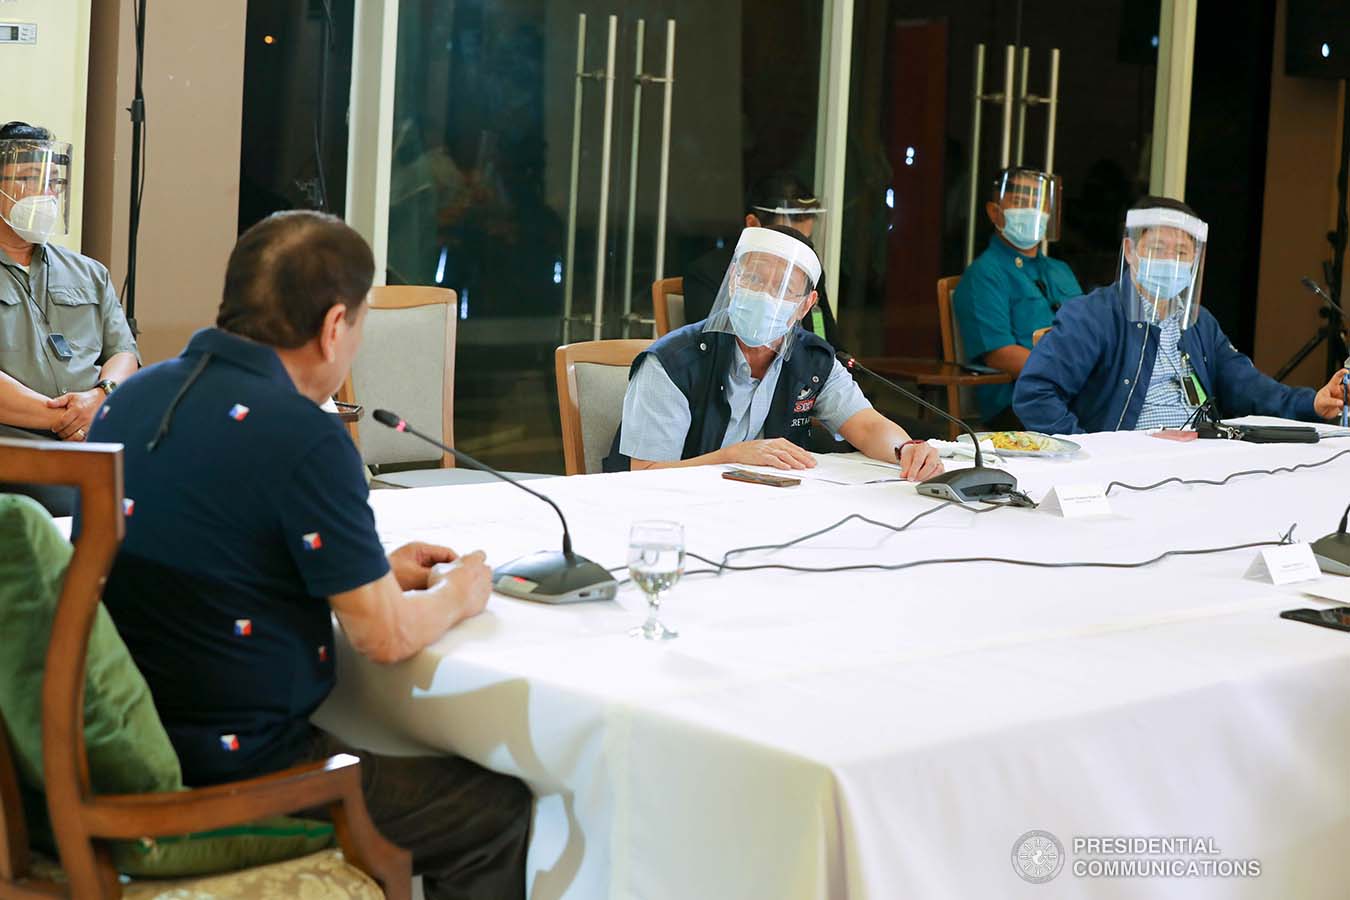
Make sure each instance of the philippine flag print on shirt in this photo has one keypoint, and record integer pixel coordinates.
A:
(239, 412)
(229, 742)
(313, 541)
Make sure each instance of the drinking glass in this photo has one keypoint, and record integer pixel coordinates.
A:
(655, 563)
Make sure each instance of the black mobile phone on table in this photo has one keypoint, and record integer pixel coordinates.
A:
(760, 478)
(1337, 617)
(978, 369)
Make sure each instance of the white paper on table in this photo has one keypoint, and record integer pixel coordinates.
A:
(838, 468)
(1334, 588)
(1285, 564)
(1077, 501)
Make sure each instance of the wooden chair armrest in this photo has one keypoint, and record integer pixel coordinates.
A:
(335, 782)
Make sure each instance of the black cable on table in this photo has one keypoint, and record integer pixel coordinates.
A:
(844, 521)
(806, 537)
(1179, 480)
(1038, 564)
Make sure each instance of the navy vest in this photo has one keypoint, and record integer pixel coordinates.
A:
(698, 364)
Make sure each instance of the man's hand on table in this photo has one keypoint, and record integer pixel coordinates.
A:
(412, 563)
(780, 453)
(468, 578)
(79, 406)
(1328, 401)
(919, 461)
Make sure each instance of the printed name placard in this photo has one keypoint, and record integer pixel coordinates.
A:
(1077, 501)
(1286, 564)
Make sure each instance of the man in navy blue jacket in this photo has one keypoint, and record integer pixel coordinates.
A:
(1142, 353)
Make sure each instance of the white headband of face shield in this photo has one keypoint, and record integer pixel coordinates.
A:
(1170, 218)
(782, 245)
(791, 210)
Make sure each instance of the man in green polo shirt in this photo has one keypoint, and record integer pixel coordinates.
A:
(64, 342)
(1012, 290)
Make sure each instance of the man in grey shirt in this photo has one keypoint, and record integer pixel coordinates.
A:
(743, 385)
(64, 341)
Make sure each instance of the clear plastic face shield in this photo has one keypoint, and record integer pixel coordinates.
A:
(1163, 259)
(769, 286)
(805, 214)
(1025, 207)
(35, 188)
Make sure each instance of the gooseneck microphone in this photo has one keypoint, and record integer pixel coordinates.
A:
(546, 576)
(1333, 551)
(1315, 288)
(963, 485)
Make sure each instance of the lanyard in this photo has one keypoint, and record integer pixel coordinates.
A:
(1200, 394)
(27, 285)
(818, 322)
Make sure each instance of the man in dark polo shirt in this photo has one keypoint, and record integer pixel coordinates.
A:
(248, 523)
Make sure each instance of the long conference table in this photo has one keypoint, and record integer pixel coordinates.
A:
(887, 734)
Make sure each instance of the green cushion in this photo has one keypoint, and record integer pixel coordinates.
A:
(128, 749)
(225, 849)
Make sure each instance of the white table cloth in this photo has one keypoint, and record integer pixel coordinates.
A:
(891, 734)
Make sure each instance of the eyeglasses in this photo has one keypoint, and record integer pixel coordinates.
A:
(35, 182)
(768, 283)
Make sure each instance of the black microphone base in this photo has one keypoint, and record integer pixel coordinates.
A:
(551, 576)
(969, 485)
(1333, 553)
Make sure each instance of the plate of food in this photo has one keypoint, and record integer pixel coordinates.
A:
(1025, 443)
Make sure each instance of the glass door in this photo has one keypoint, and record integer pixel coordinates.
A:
(528, 139)
(910, 215)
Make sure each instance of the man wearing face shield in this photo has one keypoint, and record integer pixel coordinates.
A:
(1143, 353)
(743, 385)
(776, 201)
(64, 342)
(1012, 290)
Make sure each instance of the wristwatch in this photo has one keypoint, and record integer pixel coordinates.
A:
(108, 386)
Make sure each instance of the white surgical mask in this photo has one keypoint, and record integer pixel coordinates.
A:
(1024, 228)
(759, 318)
(1163, 279)
(35, 219)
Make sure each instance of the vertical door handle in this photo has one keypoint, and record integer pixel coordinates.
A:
(975, 122)
(597, 323)
(662, 196)
(638, 81)
(570, 255)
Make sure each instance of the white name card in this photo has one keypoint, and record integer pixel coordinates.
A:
(1077, 501)
(1286, 564)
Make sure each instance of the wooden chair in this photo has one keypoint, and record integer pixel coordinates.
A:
(592, 378)
(406, 363)
(946, 372)
(83, 822)
(668, 305)
(1038, 334)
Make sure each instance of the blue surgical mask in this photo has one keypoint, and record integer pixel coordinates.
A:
(1024, 228)
(1163, 279)
(759, 318)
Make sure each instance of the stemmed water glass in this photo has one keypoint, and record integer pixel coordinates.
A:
(655, 563)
